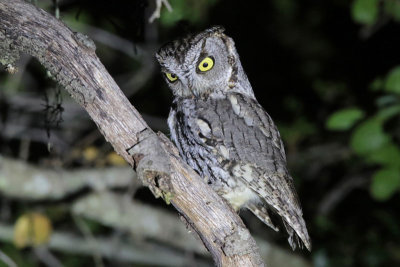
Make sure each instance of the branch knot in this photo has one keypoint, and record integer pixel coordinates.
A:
(152, 164)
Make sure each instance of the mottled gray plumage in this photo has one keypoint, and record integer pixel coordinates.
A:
(224, 134)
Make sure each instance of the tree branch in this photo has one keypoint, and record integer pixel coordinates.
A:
(70, 57)
(24, 181)
(109, 247)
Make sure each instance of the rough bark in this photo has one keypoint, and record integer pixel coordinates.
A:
(70, 57)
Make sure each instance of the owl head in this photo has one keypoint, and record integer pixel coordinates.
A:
(202, 65)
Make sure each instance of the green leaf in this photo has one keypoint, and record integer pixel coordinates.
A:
(368, 136)
(387, 113)
(365, 11)
(192, 10)
(392, 83)
(388, 155)
(376, 84)
(344, 119)
(385, 183)
(392, 7)
(297, 130)
(324, 223)
(387, 100)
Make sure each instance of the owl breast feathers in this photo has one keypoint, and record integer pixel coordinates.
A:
(224, 134)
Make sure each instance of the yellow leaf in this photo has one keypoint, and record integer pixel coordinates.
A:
(90, 153)
(32, 229)
(116, 160)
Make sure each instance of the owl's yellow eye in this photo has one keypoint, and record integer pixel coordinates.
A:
(171, 77)
(206, 64)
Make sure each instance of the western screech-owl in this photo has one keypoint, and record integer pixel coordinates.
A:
(224, 134)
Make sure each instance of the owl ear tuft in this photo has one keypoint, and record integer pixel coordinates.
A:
(217, 29)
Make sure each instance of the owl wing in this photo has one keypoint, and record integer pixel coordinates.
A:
(248, 145)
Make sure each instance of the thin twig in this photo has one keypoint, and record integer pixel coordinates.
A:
(7, 260)
(340, 191)
(90, 238)
(157, 12)
(46, 257)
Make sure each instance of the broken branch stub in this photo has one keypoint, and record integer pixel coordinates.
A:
(152, 164)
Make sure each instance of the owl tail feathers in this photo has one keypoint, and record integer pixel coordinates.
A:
(261, 212)
(295, 240)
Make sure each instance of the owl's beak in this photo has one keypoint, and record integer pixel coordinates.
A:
(187, 80)
(189, 83)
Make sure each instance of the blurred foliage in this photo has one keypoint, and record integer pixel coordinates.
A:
(370, 140)
(368, 11)
(114, 159)
(193, 11)
(365, 11)
(385, 182)
(328, 73)
(392, 83)
(32, 229)
(344, 119)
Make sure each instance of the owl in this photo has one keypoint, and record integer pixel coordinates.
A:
(224, 134)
